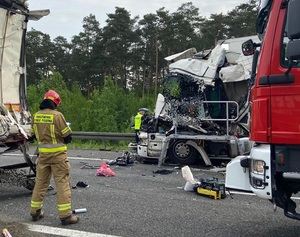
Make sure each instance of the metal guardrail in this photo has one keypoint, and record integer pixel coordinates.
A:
(103, 136)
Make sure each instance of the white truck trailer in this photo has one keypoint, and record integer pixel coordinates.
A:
(15, 118)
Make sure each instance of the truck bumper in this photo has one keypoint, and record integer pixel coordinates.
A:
(237, 177)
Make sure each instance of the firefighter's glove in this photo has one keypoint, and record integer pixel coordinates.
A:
(68, 139)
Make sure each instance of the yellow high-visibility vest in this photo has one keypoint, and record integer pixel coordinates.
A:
(138, 121)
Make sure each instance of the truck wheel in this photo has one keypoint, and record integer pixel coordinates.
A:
(182, 153)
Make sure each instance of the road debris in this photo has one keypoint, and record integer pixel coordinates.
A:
(6, 233)
(127, 158)
(80, 210)
(105, 171)
(82, 184)
(163, 171)
(85, 165)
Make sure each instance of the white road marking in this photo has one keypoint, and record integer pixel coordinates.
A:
(83, 158)
(70, 157)
(64, 232)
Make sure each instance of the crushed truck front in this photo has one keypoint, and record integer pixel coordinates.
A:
(203, 110)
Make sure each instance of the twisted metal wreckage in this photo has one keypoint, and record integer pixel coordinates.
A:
(15, 118)
(203, 110)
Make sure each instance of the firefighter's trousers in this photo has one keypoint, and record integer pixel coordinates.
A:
(60, 169)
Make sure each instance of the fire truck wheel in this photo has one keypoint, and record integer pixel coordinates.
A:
(182, 153)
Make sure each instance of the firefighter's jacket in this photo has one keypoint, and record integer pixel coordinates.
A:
(50, 129)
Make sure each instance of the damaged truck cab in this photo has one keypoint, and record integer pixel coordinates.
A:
(203, 109)
(272, 169)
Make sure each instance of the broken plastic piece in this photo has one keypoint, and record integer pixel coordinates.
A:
(187, 175)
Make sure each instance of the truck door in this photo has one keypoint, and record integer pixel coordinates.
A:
(285, 90)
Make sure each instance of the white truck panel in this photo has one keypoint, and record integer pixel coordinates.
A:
(10, 52)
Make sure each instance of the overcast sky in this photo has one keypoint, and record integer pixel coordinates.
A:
(66, 16)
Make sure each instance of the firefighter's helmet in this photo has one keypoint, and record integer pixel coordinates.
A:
(52, 95)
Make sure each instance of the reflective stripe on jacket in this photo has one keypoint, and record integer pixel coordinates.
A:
(48, 148)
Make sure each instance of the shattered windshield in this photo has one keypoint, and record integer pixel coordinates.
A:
(186, 100)
(180, 86)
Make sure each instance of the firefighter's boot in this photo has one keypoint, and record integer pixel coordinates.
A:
(38, 215)
(69, 220)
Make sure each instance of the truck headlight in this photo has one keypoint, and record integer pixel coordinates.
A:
(258, 166)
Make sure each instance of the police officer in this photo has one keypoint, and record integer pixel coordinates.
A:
(52, 134)
(138, 122)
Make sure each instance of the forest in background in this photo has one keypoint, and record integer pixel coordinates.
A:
(105, 74)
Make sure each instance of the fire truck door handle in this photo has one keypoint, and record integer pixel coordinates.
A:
(277, 79)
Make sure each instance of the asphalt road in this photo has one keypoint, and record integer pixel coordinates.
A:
(137, 202)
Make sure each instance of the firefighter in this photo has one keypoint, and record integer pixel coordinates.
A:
(52, 133)
(138, 122)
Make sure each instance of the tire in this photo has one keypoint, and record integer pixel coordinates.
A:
(182, 153)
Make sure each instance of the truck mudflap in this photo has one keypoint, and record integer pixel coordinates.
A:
(283, 200)
(201, 151)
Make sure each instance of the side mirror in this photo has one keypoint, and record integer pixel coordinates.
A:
(248, 47)
(293, 33)
(293, 18)
(293, 50)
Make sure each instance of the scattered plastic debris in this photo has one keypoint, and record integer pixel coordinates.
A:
(105, 171)
(187, 174)
(190, 181)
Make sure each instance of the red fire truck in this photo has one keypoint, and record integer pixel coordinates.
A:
(272, 169)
